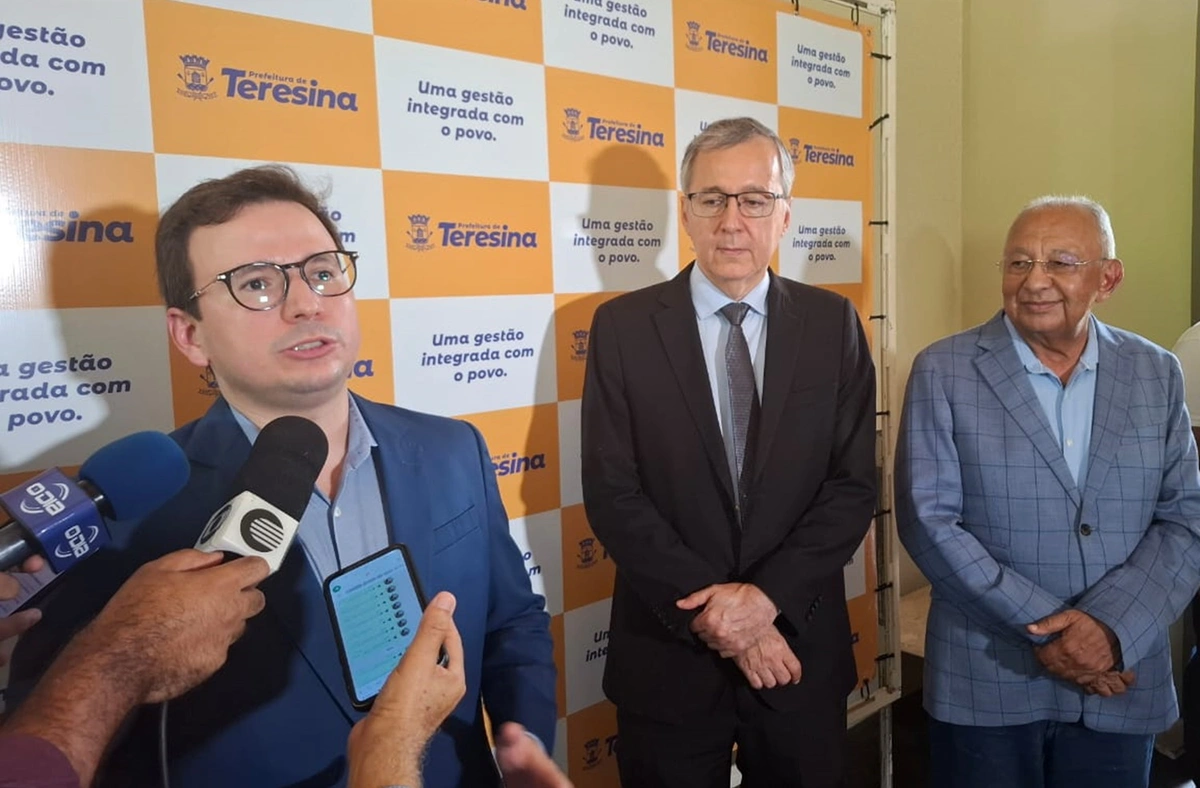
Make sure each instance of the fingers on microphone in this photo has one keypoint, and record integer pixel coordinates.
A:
(250, 570)
(9, 587)
(255, 603)
(18, 623)
(187, 559)
(239, 629)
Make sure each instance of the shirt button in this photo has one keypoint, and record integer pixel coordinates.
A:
(337, 511)
(1085, 529)
(1070, 443)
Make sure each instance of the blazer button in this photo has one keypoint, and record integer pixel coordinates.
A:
(1085, 529)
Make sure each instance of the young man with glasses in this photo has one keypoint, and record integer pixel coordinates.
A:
(729, 470)
(1047, 485)
(259, 290)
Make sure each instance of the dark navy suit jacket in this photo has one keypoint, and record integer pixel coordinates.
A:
(278, 714)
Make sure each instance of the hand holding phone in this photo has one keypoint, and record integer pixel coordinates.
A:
(387, 745)
(376, 605)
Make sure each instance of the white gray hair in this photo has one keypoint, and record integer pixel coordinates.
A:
(728, 132)
(1108, 242)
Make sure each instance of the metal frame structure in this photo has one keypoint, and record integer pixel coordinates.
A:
(890, 393)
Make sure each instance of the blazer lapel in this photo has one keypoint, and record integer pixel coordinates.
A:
(785, 335)
(297, 602)
(676, 324)
(1114, 371)
(406, 498)
(294, 597)
(1002, 370)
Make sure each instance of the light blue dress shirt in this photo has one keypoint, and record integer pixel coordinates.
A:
(1068, 408)
(336, 533)
(714, 336)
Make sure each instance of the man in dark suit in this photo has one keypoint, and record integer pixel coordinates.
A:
(729, 470)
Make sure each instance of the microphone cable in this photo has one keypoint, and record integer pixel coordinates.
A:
(164, 768)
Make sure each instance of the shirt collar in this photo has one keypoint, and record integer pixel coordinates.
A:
(708, 298)
(359, 440)
(1088, 360)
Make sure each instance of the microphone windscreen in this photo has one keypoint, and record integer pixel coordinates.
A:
(284, 463)
(137, 474)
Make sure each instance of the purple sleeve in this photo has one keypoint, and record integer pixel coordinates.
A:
(30, 762)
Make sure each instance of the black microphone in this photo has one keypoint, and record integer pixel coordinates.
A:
(62, 518)
(270, 492)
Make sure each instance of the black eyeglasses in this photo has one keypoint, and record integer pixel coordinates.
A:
(263, 286)
(753, 205)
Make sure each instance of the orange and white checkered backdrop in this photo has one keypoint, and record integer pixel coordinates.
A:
(502, 166)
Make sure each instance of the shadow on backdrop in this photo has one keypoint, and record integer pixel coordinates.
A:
(584, 278)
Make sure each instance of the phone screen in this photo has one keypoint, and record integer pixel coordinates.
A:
(376, 606)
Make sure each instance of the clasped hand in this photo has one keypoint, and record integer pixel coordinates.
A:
(1086, 653)
(738, 622)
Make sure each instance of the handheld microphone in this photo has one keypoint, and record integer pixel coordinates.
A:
(270, 493)
(62, 518)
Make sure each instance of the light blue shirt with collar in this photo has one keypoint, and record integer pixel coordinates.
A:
(336, 533)
(1068, 408)
(708, 299)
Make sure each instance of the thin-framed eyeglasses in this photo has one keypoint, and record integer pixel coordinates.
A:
(752, 205)
(263, 286)
(1059, 268)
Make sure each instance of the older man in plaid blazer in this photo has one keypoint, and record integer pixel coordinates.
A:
(1047, 485)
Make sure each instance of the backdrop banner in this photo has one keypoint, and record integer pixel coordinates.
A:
(501, 166)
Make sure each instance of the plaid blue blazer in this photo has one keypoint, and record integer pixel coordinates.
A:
(989, 511)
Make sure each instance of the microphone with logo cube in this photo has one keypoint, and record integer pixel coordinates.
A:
(63, 519)
(374, 604)
(270, 493)
(268, 497)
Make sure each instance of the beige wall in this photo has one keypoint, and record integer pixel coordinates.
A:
(1090, 96)
(1002, 100)
(929, 176)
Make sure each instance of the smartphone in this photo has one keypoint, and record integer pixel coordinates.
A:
(375, 605)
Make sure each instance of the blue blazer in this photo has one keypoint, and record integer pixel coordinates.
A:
(990, 512)
(278, 713)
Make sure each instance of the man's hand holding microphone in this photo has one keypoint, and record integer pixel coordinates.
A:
(166, 630)
(170, 626)
(18, 623)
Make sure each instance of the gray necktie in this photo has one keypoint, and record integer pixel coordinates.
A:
(743, 396)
